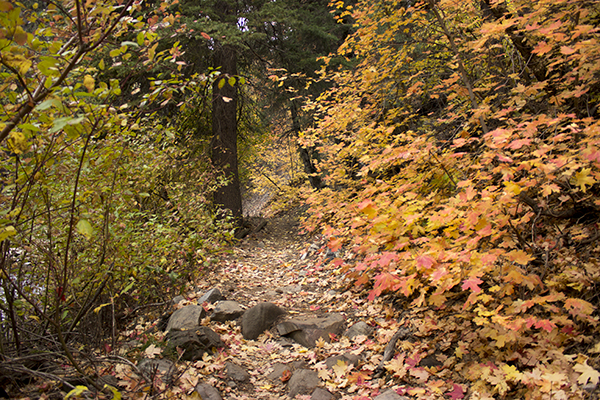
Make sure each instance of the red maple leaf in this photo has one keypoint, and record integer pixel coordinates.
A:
(456, 393)
(425, 261)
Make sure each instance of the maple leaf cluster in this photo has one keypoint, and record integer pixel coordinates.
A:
(462, 160)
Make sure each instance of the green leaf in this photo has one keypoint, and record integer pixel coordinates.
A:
(46, 104)
(140, 38)
(127, 287)
(232, 81)
(47, 66)
(60, 123)
(85, 228)
(221, 83)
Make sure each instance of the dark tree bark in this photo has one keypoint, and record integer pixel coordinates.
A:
(224, 131)
(313, 175)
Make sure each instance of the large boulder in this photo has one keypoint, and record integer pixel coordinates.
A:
(226, 311)
(186, 318)
(259, 318)
(194, 343)
(307, 331)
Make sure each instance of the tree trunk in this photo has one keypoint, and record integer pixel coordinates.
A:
(309, 167)
(224, 130)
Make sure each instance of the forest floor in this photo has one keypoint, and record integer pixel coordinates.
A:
(281, 265)
(297, 272)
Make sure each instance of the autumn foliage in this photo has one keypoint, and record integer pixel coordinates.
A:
(462, 158)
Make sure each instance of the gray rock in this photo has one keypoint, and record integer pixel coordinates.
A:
(321, 394)
(258, 319)
(360, 328)
(290, 289)
(194, 343)
(177, 299)
(226, 311)
(236, 373)
(187, 317)
(279, 369)
(212, 296)
(390, 395)
(307, 331)
(348, 358)
(152, 368)
(303, 381)
(207, 392)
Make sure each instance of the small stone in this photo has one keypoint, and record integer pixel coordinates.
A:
(236, 372)
(321, 394)
(152, 368)
(390, 394)
(177, 299)
(212, 296)
(207, 392)
(226, 311)
(303, 381)
(359, 329)
(187, 317)
(194, 343)
(279, 369)
(348, 358)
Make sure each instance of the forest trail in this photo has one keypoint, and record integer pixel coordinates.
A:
(279, 265)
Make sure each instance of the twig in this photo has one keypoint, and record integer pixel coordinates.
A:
(401, 334)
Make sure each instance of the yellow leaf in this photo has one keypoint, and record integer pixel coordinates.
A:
(100, 307)
(512, 373)
(76, 392)
(116, 393)
(85, 228)
(101, 65)
(588, 374)
(519, 256)
(583, 178)
(89, 82)
(339, 369)
(18, 142)
(512, 188)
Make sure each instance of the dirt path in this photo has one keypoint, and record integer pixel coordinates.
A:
(279, 265)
